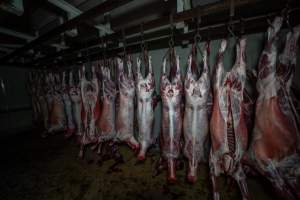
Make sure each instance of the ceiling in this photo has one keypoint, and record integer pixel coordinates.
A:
(49, 28)
(41, 16)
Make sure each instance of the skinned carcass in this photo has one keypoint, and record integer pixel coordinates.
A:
(57, 113)
(89, 96)
(196, 115)
(125, 112)
(33, 88)
(76, 100)
(49, 82)
(274, 149)
(106, 122)
(68, 107)
(145, 88)
(228, 125)
(42, 98)
(171, 94)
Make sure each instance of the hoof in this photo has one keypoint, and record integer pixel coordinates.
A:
(172, 179)
(191, 179)
(80, 155)
(141, 157)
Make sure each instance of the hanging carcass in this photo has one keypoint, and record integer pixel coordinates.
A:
(42, 92)
(89, 96)
(228, 125)
(145, 88)
(125, 111)
(33, 88)
(171, 94)
(196, 115)
(57, 113)
(106, 122)
(68, 107)
(274, 149)
(76, 100)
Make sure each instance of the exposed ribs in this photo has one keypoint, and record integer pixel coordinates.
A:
(230, 129)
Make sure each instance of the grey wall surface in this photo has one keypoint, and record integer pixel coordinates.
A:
(15, 112)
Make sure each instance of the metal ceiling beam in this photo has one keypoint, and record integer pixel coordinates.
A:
(11, 46)
(74, 12)
(16, 34)
(211, 14)
(202, 11)
(101, 9)
(211, 32)
(5, 49)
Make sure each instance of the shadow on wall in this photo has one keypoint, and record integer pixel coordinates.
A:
(15, 107)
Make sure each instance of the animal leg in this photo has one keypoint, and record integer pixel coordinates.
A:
(240, 177)
(214, 179)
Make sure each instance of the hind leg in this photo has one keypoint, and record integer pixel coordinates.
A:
(240, 178)
(282, 189)
(214, 175)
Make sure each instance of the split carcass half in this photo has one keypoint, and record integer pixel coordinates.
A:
(228, 125)
(145, 88)
(33, 88)
(274, 150)
(76, 100)
(106, 122)
(68, 107)
(196, 116)
(57, 114)
(171, 94)
(125, 112)
(42, 98)
(89, 96)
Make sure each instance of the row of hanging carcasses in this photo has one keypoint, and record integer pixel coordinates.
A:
(216, 111)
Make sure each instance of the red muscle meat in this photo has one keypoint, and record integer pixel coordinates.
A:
(229, 131)
(274, 150)
(90, 93)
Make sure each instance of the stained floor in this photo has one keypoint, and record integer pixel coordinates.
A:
(43, 169)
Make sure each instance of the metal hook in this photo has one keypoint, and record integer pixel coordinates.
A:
(242, 22)
(197, 38)
(269, 22)
(229, 28)
(171, 43)
(143, 43)
(124, 42)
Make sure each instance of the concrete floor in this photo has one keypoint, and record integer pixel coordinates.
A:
(42, 169)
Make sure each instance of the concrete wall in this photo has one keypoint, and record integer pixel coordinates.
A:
(15, 112)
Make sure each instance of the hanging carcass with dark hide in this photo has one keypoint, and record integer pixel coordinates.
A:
(68, 107)
(76, 100)
(89, 96)
(33, 87)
